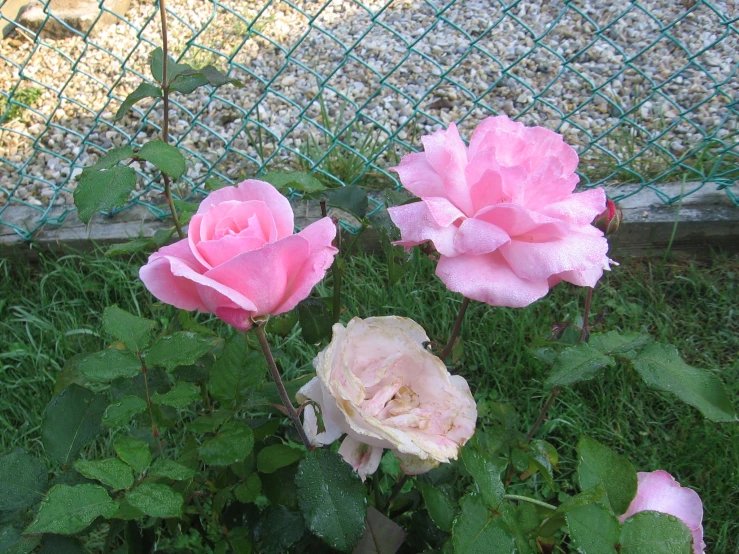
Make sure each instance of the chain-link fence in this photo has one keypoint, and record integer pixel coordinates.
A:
(646, 91)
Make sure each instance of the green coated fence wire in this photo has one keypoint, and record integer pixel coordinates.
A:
(646, 91)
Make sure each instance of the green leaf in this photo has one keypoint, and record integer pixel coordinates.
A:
(381, 535)
(72, 419)
(111, 472)
(181, 396)
(543, 457)
(156, 500)
(486, 474)
(351, 199)
(134, 452)
(209, 422)
(578, 363)
(478, 530)
(279, 529)
(316, 320)
(282, 180)
(180, 348)
(655, 533)
(56, 544)
(171, 470)
(233, 443)
(214, 183)
(283, 324)
(22, 481)
(144, 90)
(110, 158)
(662, 368)
(110, 364)
(67, 510)
(272, 458)
(439, 506)
(217, 78)
(599, 465)
(133, 331)
(188, 81)
(249, 490)
(156, 63)
(12, 542)
(120, 413)
(167, 158)
(331, 498)
(159, 238)
(621, 346)
(593, 529)
(236, 371)
(103, 190)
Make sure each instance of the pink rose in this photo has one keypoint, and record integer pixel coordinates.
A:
(502, 213)
(376, 383)
(659, 492)
(241, 258)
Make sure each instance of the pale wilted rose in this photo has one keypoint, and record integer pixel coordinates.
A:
(376, 383)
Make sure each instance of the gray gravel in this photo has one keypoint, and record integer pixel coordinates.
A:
(454, 70)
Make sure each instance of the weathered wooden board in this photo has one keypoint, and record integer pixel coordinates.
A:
(704, 220)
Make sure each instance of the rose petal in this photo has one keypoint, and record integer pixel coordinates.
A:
(580, 208)
(405, 324)
(363, 458)
(252, 189)
(489, 278)
(476, 236)
(537, 261)
(419, 223)
(446, 153)
(413, 465)
(658, 491)
(418, 176)
(277, 276)
(177, 290)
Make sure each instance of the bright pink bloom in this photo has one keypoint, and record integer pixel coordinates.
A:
(659, 492)
(502, 213)
(240, 258)
(377, 383)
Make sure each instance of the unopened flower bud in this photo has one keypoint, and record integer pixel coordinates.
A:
(610, 220)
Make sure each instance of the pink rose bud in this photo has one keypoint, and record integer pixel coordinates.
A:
(241, 259)
(610, 220)
(502, 212)
(659, 492)
(376, 383)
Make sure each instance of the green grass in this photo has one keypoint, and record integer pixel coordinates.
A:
(52, 311)
(20, 101)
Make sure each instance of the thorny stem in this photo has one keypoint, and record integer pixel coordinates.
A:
(455, 330)
(262, 338)
(530, 500)
(154, 429)
(584, 337)
(165, 118)
(396, 491)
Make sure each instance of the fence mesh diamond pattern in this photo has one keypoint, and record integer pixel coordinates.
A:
(646, 91)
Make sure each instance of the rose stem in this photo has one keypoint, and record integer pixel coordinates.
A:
(455, 330)
(395, 492)
(584, 337)
(530, 500)
(262, 338)
(165, 118)
(154, 429)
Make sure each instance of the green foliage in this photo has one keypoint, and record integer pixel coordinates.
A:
(134, 332)
(67, 510)
(479, 530)
(111, 472)
(108, 365)
(486, 474)
(272, 458)
(599, 465)
(134, 452)
(20, 101)
(165, 157)
(180, 348)
(236, 372)
(303, 182)
(181, 396)
(72, 419)
(662, 368)
(655, 533)
(156, 500)
(593, 529)
(232, 444)
(351, 199)
(580, 362)
(22, 481)
(120, 413)
(332, 499)
(103, 190)
(144, 90)
(316, 319)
